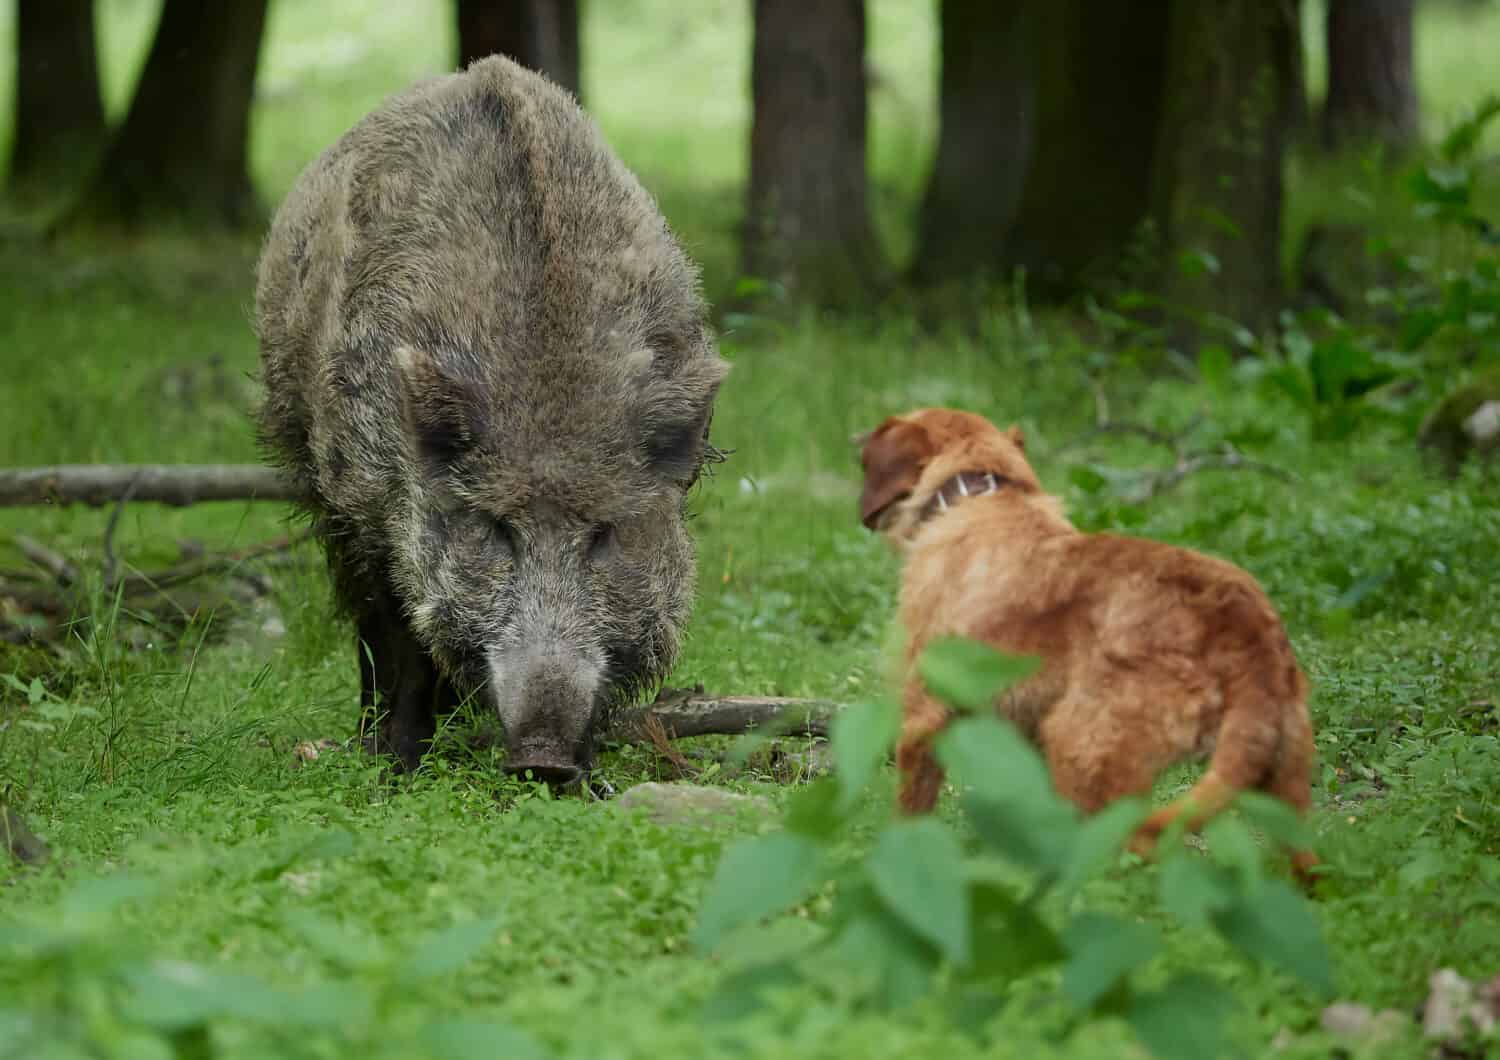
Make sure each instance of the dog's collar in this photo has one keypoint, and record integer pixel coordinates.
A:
(964, 484)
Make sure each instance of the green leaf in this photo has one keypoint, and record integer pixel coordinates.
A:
(463, 1039)
(1273, 923)
(1281, 823)
(738, 995)
(1102, 952)
(1010, 940)
(1193, 889)
(1463, 137)
(994, 759)
(336, 943)
(448, 950)
(1427, 865)
(813, 810)
(1215, 365)
(1012, 806)
(756, 878)
(172, 995)
(1198, 263)
(325, 844)
(96, 897)
(862, 737)
(1100, 838)
(1185, 1020)
(968, 675)
(1231, 844)
(781, 941)
(917, 868)
(880, 949)
(1086, 479)
(326, 1005)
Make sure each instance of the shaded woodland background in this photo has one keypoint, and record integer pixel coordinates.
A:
(1089, 148)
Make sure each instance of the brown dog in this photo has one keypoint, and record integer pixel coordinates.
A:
(1150, 653)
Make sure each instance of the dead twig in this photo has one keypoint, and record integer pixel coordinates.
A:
(63, 572)
(656, 735)
(173, 484)
(33, 597)
(143, 581)
(1139, 430)
(1185, 462)
(1228, 459)
(690, 712)
(110, 527)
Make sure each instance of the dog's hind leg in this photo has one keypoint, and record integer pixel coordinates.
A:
(921, 775)
(1249, 745)
(1291, 781)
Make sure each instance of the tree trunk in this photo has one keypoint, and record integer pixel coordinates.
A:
(1087, 189)
(808, 226)
(539, 34)
(1372, 93)
(984, 140)
(181, 153)
(1219, 158)
(59, 117)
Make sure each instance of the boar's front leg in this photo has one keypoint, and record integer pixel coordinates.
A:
(399, 687)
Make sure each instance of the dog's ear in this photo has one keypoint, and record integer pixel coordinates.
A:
(1017, 438)
(893, 457)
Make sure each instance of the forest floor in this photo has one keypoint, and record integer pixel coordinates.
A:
(158, 759)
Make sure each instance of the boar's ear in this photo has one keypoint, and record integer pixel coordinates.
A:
(893, 458)
(444, 413)
(1016, 437)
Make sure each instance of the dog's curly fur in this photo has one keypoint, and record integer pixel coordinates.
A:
(1150, 653)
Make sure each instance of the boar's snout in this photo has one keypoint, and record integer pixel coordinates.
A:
(548, 700)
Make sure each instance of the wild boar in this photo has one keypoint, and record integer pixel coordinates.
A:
(489, 373)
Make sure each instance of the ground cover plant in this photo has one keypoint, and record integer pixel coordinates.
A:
(216, 889)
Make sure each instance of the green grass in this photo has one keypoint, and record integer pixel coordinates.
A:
(175, 762)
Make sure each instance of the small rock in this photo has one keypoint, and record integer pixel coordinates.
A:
(301, 883)
(670, 804)
(309, 750)
(1483, 424)
(1356, 1022)
(1453, 1002)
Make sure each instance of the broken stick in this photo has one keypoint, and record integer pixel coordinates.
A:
(685, 712)
(175, 484)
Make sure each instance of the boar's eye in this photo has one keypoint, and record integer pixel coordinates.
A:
(676, 451)
(601, 542)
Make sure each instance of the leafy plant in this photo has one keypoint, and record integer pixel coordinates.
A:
(921, 913)
(1442, 313)
(104, 994)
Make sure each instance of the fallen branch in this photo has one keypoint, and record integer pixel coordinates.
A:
(1154, 482)
(175, 484)
(144, 581)
(63, 572)
(110, 564)
(1230, 459)
(691, 712)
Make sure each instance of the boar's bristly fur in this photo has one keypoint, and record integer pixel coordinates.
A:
(489, 373)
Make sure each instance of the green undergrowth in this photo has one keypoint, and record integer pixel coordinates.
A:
(210, 893)
(174, 763)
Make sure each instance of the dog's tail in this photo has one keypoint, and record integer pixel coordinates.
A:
(1264, 743)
